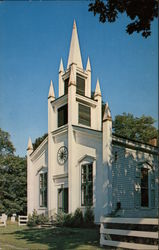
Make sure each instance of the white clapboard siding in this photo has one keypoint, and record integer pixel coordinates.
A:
(22, 220)
(127, 245)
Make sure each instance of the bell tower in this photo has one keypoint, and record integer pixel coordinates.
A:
(73, 116)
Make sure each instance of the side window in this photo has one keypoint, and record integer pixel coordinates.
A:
(144, 187)
(84, 115)
(137, 195)
(115, 156)
(152, 187)
(62, 115)
(43, 189)
(87, 185)
(66, 86)
(80, 85)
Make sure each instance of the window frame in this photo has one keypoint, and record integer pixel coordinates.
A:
(145, 189)
(86, 184)
(151, 176)
(58, 110)
(66, 82)
(79, 121)
(83, 93)
(43, 200)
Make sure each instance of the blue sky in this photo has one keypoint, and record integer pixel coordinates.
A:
(33, 38)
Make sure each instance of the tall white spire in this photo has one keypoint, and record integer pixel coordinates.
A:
(51, 91)
(30, 145)
(74, 53)
(61, 69)
(107, 113)
(97, 90)
(88, 67)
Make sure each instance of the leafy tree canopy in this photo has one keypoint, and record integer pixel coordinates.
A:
(141, 129)
(6, 146)
(39, 140)
(141, 12)
(12, 178)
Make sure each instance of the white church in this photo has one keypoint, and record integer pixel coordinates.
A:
(81, 162)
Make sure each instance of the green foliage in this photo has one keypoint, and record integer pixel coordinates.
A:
(63, 219)
(13, 185)
(37, 219)
(39, 140)
(140, 129)
(78, 218)
(6, 146)
(12, 178)
(89, 217)
(75, 220)
(142, 12)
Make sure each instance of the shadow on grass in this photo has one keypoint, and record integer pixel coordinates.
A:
(61, 238)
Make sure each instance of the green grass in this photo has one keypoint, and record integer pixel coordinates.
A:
(23, 237)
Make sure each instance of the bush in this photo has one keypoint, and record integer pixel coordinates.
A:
(69, 220)
(78, 218)
(75, 220)
(63, 219)
(89, 217)
(37, 219)
(42, 219)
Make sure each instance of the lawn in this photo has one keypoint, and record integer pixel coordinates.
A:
(23, 237)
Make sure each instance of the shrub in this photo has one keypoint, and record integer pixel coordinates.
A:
(78, 218)
(37, 219)
(89, 217)
(75, 220)
(63, 219)
(42, 219)
(69, 220)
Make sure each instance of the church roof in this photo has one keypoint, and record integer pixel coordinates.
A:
(74, 53)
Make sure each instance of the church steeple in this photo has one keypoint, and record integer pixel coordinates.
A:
(74, 53)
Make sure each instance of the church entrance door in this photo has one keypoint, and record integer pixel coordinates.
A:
(63, 200)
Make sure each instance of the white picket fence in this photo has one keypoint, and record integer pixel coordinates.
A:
(22, 220)
(106, 232)
(2, 222)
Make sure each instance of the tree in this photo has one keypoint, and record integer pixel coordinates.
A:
(141, 129)
(6, 146)
(142, 12)
(39, 140)
(12, 178)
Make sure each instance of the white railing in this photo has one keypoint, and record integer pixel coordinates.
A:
(106, 239)
(2, 222)
(22, 220)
